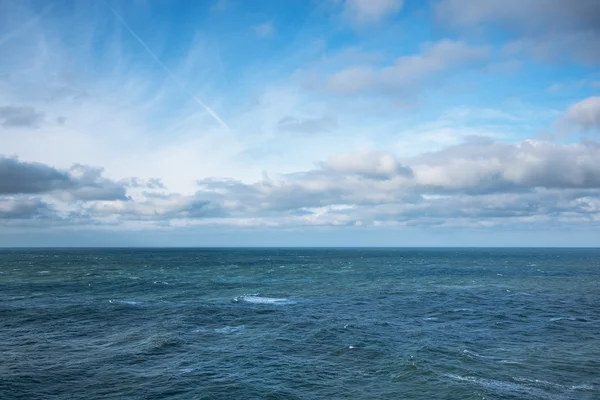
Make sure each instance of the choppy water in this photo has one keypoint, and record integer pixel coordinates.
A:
(300, 324)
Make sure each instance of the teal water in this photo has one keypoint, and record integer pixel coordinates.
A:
(300, 324)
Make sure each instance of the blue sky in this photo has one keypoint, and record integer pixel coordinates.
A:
(281, 123)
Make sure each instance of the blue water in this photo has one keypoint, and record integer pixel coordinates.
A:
(300, 324)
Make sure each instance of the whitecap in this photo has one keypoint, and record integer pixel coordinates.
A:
(129, 303)
(476, 355)
(583, 387)
(161, 282)
(255, 299)
(229, 329)
(510, 362)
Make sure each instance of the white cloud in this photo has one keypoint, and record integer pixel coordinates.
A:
(306, 125)
(133, 122)
(371, 164)
(264, 30)
(547, 29)
(221, 5)
(470, 183)
(408, 71)
(585, 115)
(363, 13)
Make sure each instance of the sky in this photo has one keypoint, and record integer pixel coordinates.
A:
(299, 123)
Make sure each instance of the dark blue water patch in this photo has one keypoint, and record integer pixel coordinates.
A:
(300, 323)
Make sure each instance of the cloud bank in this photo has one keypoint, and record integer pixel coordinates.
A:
(477, 183)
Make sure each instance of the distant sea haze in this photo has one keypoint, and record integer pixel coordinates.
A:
(300, 324)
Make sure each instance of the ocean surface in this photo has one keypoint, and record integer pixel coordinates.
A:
(300, 324)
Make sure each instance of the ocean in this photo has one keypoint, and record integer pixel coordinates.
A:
(299, 324)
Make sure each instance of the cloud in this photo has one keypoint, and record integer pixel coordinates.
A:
(87, 183)
(264, 30)
(546, 28)
(78, 183)
(365, 13)
(152, 183)
(374, 165)
(471, 184)
(14, 116)
(408, 71)
(585, 115)
(22, 208)
(156, 209)
(18, 177)
(492, 167)
(221, 5)
(306, 125)
(454, 175)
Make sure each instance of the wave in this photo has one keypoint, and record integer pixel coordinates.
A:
(229, 329)
(126, 302)
(503, 387)
(255, 299)
(521, 385)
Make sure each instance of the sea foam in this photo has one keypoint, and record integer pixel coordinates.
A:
(255, 299)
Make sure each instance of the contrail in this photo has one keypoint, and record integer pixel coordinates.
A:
(167, 70)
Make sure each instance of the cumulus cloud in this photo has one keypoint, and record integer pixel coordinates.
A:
(480, 179)
(477, 182)
(79, 182)
(408, 71)
(156, 208)
(488, 167)
(22, 208)
(18, 177)
(585, 115)
(87, 183)
(362, 13)
(16, 116)
(546, 28)
(376, 165)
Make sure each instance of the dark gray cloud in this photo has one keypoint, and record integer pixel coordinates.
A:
(21, 177)
(553, 29)
(306, 125)
(13, 116)
(79, 183)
